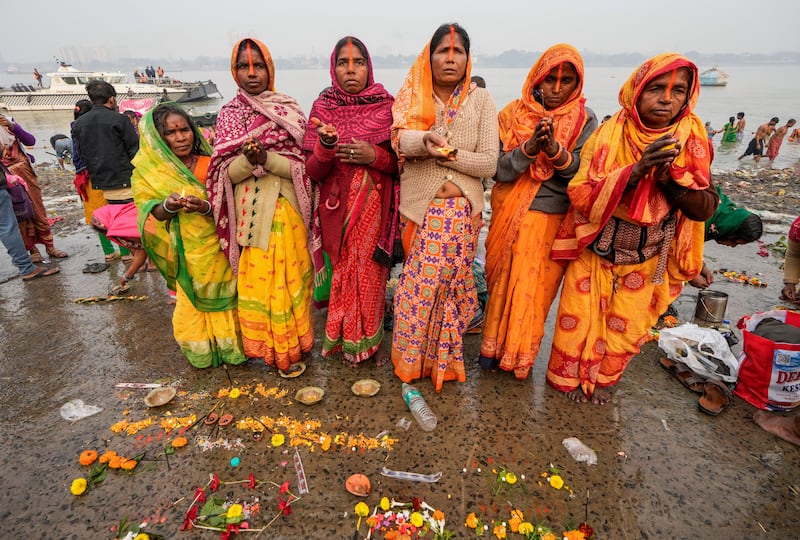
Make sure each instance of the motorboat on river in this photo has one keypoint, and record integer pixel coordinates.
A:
(67, 85)
(713, 77)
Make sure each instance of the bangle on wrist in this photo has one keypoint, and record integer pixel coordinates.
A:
(167, 210)
(564, 165)
(524, 153)
(207, 212)
(329, 145)
(556, 155)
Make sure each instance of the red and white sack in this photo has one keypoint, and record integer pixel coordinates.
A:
(769, 372)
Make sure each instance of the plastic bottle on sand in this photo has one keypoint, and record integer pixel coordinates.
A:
(416, 404)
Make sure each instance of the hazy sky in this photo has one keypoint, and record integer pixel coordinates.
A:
(165, 29)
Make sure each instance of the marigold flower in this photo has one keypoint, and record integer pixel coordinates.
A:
(179, 442)
(78, 486)
(128, 464)
(278, 439)
(511, 478)
(115, 462)
(499, 532)
(549, 536)
(106, 457)
(574, 535)
(385, 504)
(142, 536)
(88, 457)
(514, 524)
(472, 520)
(525, 527)
(556, 481)
(416, 519)
(362, 509)
(234, 511)
(234, 393)
(438, 515)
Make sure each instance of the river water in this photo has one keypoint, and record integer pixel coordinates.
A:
(761, 92)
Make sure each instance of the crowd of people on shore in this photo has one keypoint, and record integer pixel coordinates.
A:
(287, 212)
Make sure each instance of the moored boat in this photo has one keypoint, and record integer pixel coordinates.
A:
(67, 85)
(713, 77)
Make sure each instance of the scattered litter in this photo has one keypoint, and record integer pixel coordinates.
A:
(404, 423)
(579, 451)
(412, 476)
(77, 410)
(623, 455)
(138, 385)
(207, 444)
(302, 483)
(664, 423)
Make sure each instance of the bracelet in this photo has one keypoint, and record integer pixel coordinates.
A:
(524, 153)
(566, 164)
(167, 210)
(329, 146)
(207, 212)
(558, 154)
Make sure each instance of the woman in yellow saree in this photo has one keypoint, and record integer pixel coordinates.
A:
(179, 234)
(635, 227)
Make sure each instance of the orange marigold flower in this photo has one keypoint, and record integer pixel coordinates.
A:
(472, 520)
(514, 524)
(500, 532)
(438, 515)
(574, 535)
(88, 457)
(129, 464)
(179, 442)
(115, 462)
(106, 457)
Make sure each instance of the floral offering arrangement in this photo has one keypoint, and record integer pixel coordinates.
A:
(132, 531)
(393, 520)
(555, 480)
(231, 516)
(742, 277)
(517, 527)
(504, 480)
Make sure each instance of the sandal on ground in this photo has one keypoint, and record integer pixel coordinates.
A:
(36, 257)
(295, 370)
(56, 253)
(40, 272)
(716, 397)
(685, 375)
(94, 268)
(111, 256)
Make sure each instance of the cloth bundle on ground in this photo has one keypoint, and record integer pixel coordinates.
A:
(769, 372)
(704, 350)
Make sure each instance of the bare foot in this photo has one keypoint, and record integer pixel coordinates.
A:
(601, 396)
(577, 396)
(786, 428)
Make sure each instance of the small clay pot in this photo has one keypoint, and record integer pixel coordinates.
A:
(358, 485)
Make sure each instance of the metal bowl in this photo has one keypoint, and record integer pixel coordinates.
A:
(366, 387)
(160, 396)
(308, 395)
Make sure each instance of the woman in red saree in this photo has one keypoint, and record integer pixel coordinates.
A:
(350, 159)
(639, 201)
(542, 135)
(261, 200)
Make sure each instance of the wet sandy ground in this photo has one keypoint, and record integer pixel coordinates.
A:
(665, 470)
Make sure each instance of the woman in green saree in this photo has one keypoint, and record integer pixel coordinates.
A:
(179, 234)
(729, 131)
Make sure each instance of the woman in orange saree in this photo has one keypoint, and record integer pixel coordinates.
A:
(542, 135)
(639, 201)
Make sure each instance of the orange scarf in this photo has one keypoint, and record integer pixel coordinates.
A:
(598, 190)
(414, 107)
(267, 60)
(510, 201)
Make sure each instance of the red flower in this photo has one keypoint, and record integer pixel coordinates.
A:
(200, 494)
(252, 483)
(215, 482)
(284, 507)
(587, 531)
(190, 516)
(416, 504)
(284, 488)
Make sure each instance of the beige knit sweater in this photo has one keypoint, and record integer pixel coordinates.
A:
(474, 133)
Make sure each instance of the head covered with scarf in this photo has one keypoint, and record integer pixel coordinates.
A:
(273, 118)
(365, 116)
(601, 184)
(517, 123)
(414, 106)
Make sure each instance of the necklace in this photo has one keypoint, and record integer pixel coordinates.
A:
(191, 163)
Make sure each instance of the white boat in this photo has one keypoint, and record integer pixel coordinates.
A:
(713, 77)
(67, 85)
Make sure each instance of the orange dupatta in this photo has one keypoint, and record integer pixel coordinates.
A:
(414, 106)
(517, 124)
(598, 189)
